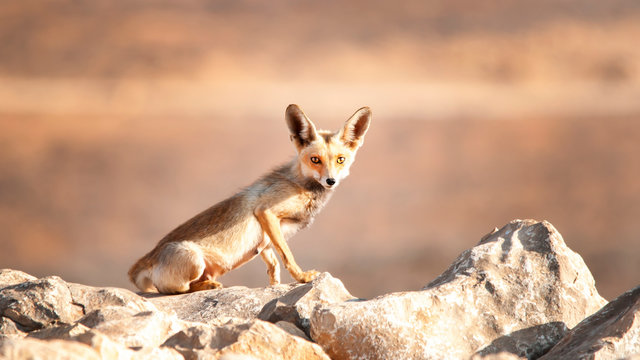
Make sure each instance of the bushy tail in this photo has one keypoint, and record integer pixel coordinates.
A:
(140, 274)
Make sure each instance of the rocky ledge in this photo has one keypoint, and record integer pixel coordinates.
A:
(520, 293)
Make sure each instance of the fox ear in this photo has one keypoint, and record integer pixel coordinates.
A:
(302, 129)
(354, 129)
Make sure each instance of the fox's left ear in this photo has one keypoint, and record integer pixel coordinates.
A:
(354, 129)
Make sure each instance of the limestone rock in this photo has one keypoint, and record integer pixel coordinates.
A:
(10, 277)
(269, 342)
(90, 345)
(33, 303)
(518, 290)
(498, 356)
(292, 329)
(611, 333)
(92, 298)
(38, 303)
(35, 349)
(235, 305)
(297, 305)
(256, 338)
(201, 340)
(147, 328)
(9, 329)
(104, 346)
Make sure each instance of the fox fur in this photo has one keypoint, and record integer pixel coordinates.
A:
(259, 219)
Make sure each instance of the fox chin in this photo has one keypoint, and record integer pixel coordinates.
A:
(259, 219)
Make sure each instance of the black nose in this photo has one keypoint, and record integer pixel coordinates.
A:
(331, 181)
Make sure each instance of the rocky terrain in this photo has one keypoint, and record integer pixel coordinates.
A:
(519, 293)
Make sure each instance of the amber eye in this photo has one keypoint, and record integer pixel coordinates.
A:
(340, 159)
(315, 160)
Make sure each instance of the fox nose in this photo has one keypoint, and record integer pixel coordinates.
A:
(331, 181)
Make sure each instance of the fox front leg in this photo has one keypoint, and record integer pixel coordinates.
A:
(271, 225)
(273, 267)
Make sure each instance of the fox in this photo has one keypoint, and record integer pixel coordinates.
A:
(259, 219)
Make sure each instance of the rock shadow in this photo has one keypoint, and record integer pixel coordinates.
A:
(531, 342)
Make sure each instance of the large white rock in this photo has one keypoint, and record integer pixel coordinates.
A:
(518, 290)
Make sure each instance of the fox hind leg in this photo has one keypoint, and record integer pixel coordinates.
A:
(179, 264)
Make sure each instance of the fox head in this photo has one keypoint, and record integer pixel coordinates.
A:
(324, 155)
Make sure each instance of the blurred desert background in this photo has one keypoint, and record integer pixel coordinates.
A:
(119, 120)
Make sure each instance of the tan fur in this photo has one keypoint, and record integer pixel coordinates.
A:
(260, 218)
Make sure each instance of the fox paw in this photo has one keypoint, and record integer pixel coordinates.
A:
(308, 276)
(205, 285)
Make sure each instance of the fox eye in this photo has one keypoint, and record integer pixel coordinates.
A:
(340, 159)
(315, 160)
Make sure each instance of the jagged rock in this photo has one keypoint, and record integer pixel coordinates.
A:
(201, 340)
(518, 290)
(38, 303)
(270, 342)
(292, 329)
(256, 338)
(297, 305)
(10, 277)
(498, 356)
(92, 298)
(234, 305)
(147, 328)
(9, 329)
(90, 345)
(611, 333)
(35, 349)
(104, 346)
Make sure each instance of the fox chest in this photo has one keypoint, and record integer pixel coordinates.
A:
(304, 216)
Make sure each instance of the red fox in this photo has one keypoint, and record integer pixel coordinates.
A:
(260, 218)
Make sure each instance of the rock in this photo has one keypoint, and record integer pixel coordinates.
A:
(147, 328)
(91, 345)
(235, 305)
(10, 277)
(518, 290)
(268, 341)
(102, 344)
(292, 329)
(611, 333)
(92, 298)
(256, 338)
(9, 329)
(34, 349)
(62, 332)
(497, 356)
(201, 340)
(297, 305)
(35, 304)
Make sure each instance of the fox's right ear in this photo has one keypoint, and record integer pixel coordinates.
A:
(302, 129)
